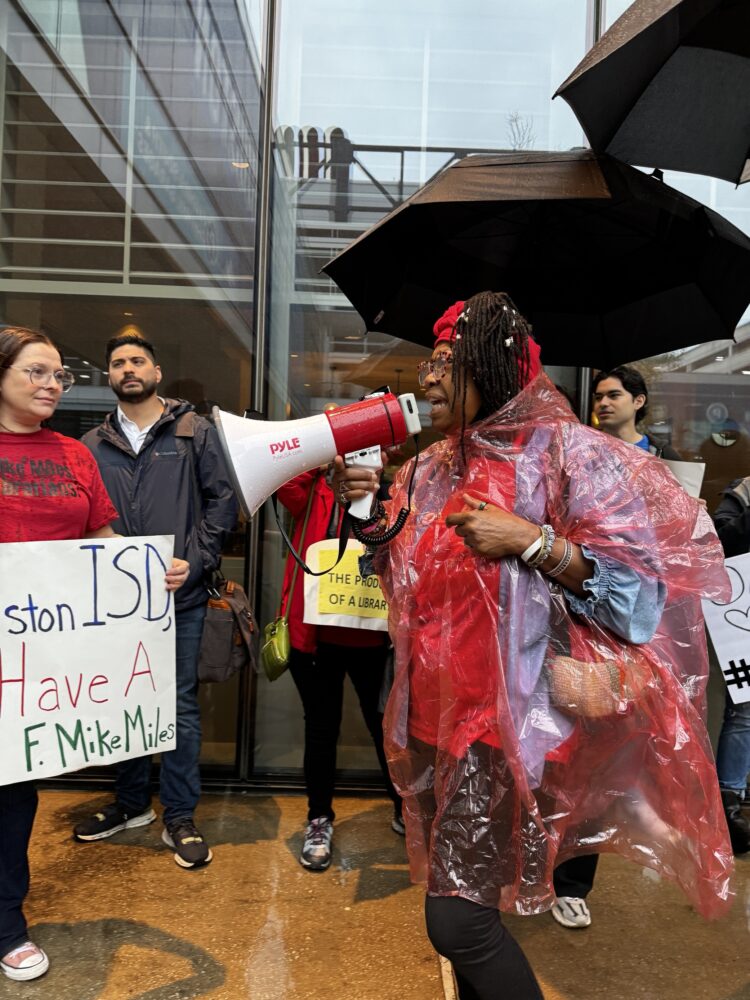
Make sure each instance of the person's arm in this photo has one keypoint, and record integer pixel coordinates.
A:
(732, 519)
(220, 507)
(494, 533)
(294, 494)
(597, 586)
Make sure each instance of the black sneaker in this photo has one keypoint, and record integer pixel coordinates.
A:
(110, 820)
(191, 850)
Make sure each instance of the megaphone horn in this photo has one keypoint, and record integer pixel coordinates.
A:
(263, 455)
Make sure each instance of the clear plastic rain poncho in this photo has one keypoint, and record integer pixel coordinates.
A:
(498, 732)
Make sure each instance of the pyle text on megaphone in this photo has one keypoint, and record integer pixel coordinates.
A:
(263, 455)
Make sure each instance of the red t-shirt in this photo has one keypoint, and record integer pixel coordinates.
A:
(50, 489)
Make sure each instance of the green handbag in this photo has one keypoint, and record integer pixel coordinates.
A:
(274, 653)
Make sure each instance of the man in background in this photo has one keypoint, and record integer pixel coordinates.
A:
(164, 470)
(620, 399)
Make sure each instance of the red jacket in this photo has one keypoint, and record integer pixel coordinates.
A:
(294, 496)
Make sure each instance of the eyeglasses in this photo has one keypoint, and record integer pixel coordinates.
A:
(39, 375)
(437, 367)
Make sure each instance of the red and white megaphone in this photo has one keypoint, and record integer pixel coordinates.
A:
(263, 455)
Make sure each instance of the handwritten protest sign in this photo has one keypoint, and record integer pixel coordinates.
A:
(342, 597)
(729, 627)
(87, 654)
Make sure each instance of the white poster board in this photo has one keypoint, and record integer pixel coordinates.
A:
(87, 654)
(729, 628)
(688, 474)
(342, 597)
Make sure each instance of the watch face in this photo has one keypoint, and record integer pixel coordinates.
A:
(725, 439)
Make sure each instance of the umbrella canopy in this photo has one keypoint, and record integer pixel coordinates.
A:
(669, 86)
(607, 263)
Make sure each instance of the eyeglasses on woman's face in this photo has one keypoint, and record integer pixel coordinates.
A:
(40, 375)
(437, 367)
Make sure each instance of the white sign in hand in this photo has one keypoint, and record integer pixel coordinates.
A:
(729, 628)
(87, 654)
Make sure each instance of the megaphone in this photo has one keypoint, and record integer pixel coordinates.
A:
(263, 455)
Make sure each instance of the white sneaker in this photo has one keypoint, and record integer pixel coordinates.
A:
(35, 963)
(570, 911)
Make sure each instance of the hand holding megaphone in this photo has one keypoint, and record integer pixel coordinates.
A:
(263, 455)
(356, 484)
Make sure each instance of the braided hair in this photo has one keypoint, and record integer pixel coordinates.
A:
(492, 345)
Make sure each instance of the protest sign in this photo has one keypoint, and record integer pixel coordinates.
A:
(688, 474)
(87, 654)
(342, 597)
(729, 628)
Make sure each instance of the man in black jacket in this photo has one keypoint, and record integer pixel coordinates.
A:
(164, 470)
(732, 520)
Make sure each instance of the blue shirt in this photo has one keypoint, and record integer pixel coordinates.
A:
(619, 598)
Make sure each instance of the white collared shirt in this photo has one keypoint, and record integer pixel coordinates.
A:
(136, 435)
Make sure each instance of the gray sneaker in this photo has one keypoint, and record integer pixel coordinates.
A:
(316, 850)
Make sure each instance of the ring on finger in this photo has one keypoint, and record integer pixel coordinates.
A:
(482, 505)
(343, 492)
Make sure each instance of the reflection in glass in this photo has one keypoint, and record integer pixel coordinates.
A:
(128, 174)
(371, 101)
(699, 402)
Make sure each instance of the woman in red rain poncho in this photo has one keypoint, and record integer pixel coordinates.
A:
(540, 557)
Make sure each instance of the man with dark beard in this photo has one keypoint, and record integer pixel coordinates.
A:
(164, 470)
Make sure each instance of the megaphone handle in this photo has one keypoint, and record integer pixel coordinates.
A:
(365, 458)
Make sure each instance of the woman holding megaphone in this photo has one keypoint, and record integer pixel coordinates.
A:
(538, 611)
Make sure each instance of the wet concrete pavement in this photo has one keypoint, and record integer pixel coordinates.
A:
(121, 921)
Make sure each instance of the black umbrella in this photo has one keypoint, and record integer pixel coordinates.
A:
(609, 264)
(669, 86)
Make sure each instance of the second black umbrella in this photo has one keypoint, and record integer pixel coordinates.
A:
(609, 264)
(669, 86)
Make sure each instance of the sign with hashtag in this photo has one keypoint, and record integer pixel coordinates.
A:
(729, 627)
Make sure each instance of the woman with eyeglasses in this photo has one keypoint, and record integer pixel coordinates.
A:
(50, 489)
(543, 609)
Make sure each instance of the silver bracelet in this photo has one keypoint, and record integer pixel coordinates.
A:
(543, 554)
(564, 562)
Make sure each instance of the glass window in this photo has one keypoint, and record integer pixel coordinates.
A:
(370, 101)
(128, 169)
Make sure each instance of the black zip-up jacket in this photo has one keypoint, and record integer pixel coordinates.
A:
(156, 491)
(732, 518)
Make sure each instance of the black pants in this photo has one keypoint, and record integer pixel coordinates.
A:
(487, 959)
(17, 810)
(320, 681)
(576, 877)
